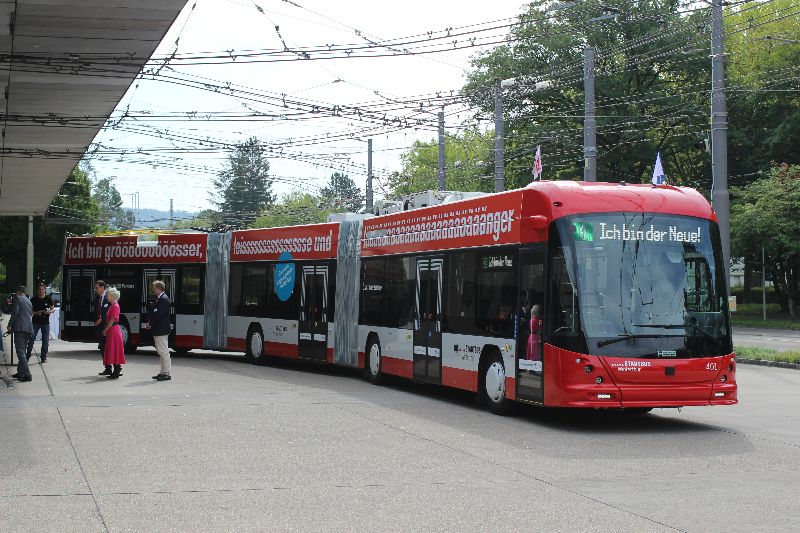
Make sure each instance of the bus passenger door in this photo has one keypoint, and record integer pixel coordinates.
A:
(428, 321)
(313, 343)
(167, 275)
(78, 305)
(530, 348)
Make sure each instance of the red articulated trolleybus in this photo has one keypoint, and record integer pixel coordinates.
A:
(565, 294)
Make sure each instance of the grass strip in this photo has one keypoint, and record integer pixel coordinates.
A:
(765, 354)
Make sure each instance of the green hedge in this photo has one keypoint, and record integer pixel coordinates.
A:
(755, 294)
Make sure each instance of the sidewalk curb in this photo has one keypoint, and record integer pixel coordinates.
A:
(762, 362)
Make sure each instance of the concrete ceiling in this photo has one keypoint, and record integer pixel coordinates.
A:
(53, 97)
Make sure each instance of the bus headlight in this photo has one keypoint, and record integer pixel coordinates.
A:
(598, 380)
(723, 378)
(588, 369)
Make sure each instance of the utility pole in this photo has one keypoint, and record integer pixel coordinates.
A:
(499, 140)
(369, 176)
(589, 120)
(764, 282)
(720, 198)
(171, 215)
(29, 272)
(440, 185)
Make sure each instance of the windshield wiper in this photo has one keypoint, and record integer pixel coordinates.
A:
(630, 336)
(682, 326)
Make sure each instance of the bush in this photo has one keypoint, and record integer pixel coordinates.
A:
(755, 295)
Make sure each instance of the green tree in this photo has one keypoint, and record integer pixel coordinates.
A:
(342, 194)
(112, 215)
(650, 96)
(207, 218)
(243, 188)
(73, 210)
(764, 213)
(293, 209)
(763, 104)
(468, 161)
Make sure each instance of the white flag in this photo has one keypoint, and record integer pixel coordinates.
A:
(537, 164)
(659, 178)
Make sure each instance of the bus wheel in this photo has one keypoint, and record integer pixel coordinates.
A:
(254, 345)
(493, 387)
(372, 364)
(125, 329)
(182, 350)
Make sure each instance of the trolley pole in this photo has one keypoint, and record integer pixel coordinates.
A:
(29, 277)
(368, 190)
(171, 215)
(440, 182)
(499, 140)
(720, 198)
(589, 119)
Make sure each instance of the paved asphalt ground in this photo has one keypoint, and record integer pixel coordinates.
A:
(227, 446)
(775, 339)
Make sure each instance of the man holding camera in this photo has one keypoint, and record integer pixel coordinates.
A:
(42, 309)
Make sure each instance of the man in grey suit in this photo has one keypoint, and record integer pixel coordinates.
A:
(22, 326)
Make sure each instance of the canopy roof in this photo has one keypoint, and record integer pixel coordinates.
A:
(53, 97)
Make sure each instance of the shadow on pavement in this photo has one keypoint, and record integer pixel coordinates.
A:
(459, 409)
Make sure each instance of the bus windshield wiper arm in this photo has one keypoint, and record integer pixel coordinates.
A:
(629, 336)
(681, 326)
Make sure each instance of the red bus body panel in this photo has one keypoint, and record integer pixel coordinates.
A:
(171, 248)
(315, 241)
(636, 382)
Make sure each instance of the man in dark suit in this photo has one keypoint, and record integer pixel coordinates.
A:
(100, 309)
(160, 325)
(22, 326)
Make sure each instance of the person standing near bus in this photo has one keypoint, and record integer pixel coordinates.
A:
(42, 309)
(20, 323)
(101, 308)
(159, 325)
(114, 353)
(534, 349)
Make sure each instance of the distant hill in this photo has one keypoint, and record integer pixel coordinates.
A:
(154, 218)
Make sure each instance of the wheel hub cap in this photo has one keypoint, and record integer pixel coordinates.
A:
(374, 359)
(495, 382)
(256, 345)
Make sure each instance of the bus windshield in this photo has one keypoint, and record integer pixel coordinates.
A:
(638, 285)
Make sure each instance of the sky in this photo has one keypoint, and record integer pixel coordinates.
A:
(234, 26)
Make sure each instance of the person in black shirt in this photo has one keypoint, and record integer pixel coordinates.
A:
(42, 309)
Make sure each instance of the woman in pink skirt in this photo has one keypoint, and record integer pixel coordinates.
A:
(114, 353)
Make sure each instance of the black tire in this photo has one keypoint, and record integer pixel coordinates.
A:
(372, 361)
(254, 344)
(493, 385)
(127, 343)
(182, 350)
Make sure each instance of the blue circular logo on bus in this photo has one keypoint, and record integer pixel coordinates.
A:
(284, 277)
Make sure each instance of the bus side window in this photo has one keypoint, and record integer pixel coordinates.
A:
(460, 295)
(564, 300)
(497, 294)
